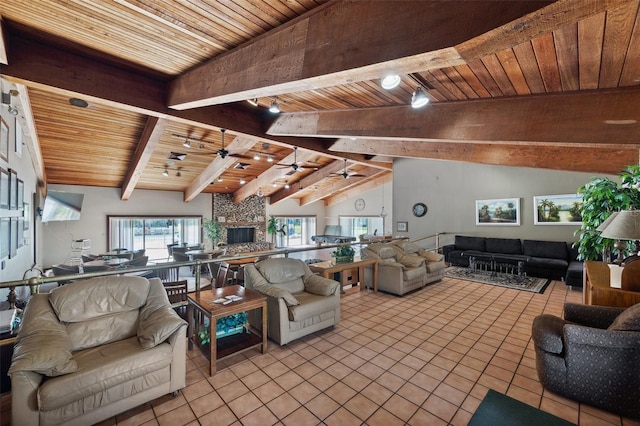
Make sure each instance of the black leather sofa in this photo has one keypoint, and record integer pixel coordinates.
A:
(545, 259)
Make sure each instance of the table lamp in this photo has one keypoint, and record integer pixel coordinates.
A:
(624, 226)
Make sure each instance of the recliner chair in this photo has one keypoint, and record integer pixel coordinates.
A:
(591, 356)
(298, 301)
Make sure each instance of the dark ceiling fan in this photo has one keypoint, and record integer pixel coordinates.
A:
(346, 175)
(294, 166)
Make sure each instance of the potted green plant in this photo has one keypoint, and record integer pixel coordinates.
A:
(601, 197)
(212, 230)
(344, 253)
(272, 228)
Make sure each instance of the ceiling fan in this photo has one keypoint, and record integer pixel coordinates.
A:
(346, 175)
(294, 166)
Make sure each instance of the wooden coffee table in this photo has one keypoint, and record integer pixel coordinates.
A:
(200, 307)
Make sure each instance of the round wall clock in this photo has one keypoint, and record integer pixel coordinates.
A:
(419, 209)
(359, 204)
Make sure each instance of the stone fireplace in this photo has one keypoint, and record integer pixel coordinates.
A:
(247, 219)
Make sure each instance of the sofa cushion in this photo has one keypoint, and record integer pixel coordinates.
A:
(628, 320)
(412, 261)
(470, 243)
(41, 328)
(84, 300)
(504, 245)
(158, 326)
(283, 273)
(548, 249)
(104, 329)
(407, 247)
(431, 256)
(435, 266)
(277, 292)
(385, 251)
(410, 274)
(312, 305)
(102, 368)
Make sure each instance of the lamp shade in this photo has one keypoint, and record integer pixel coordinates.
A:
(606, 223)
(625, 226)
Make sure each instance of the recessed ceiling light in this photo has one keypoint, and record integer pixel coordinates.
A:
(390, 81)
(77, 102)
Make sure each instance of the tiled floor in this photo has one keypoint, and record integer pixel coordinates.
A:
(424, 359)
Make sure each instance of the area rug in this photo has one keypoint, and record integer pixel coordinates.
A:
(497, 409)
(532, 284)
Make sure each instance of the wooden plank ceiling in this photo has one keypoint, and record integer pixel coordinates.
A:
(544, 84)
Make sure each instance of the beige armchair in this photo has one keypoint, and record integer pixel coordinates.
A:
(298, 302)
(94, 348)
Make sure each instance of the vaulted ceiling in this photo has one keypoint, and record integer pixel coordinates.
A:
(543, 84)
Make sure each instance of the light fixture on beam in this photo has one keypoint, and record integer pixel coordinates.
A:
(242, 181)
(419, 98)
(256, 156)
(274, 108)
(390, 81)
(253, 101)
(187, 143)
(165, 173)
(269, 159)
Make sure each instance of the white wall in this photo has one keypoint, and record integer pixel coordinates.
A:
(450, 188)
(100, 202)
(13, 268)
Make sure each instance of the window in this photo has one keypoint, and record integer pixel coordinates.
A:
(354, 226)
(295, 231)
(153, 233)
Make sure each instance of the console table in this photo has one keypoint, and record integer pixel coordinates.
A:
(329, 267)
(598, 291)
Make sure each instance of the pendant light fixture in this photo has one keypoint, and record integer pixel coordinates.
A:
(274, 108)
(419, 98)
(390, 81)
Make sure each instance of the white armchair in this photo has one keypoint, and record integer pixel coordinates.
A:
(298, 301)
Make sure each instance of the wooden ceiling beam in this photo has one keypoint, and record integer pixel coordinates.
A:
(149, 139)
(308, 53)
(307, 181)
(271, 175)
(218, 166)
(338, 184)
(588, 117)
(609, 160)
(351, 193)
(3, 44)
(47, 67)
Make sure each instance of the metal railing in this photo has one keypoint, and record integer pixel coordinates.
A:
(35, 282)
(437, 246)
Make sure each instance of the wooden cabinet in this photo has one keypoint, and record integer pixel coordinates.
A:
(597, 290)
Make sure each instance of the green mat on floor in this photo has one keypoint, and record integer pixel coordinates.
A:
(497, 409)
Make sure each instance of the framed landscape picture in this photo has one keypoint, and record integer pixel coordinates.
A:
(501, 212)
(557, 209)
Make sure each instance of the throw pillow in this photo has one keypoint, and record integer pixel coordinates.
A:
(628, 320)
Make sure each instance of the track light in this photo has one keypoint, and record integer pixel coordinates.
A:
(187, 143)
(287, 186)
(219, 178)
(165, 173)
(390, 81)
(274, 184)
(256, 157)
(260, 193)
(419, 98)
(242, 181)
(178, 174)
(269, 159)
(13, 110)
(253, 101)
(274, 108)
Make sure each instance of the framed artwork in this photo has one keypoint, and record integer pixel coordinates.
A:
(4, 140)
(402, 226)
(26, 214)
(4, 189)
(20, 194)
(13, 237)
(561, 209)
(20, 232)
(501, 212)
(13, 190)
(19, 136)
(5, 234)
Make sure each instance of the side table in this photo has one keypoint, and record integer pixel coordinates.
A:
(201, 309)
(328, 268)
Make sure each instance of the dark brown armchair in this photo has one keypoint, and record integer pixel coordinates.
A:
(591, 356)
